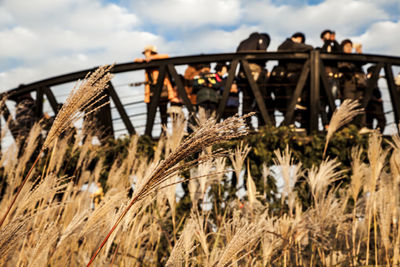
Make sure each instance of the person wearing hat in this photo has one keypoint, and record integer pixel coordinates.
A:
(329, 42)
(151, 76)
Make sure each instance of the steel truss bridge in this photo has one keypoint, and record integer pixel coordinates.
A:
(312, 78)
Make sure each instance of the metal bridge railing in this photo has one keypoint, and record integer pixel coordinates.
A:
(312, 78)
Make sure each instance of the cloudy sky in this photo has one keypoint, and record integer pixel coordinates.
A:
(43, 38)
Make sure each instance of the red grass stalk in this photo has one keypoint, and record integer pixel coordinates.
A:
(113, 228)
(115, 256)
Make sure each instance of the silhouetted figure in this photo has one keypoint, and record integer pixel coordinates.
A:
(291, 72)
(374, 109)
(256, 42)
(330, 44)
(353, 80)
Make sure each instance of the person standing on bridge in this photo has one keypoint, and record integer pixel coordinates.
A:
(232, 104)
(256, 42)
(151, 76)
(374, 109)
(353, 79)
(207, 85)
(291, 71)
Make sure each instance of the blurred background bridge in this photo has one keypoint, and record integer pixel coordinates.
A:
(127, 113)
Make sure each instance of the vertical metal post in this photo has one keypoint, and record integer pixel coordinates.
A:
(314, 90)
(394, 93)
(327, 88)
(39, 103)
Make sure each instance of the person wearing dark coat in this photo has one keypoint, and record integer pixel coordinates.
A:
(330, 45)
(353, 80)
(207, 85)
(374, 109)
(256, 42)
(290, 71)
(232, 104)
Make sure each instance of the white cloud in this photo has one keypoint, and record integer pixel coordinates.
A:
(47, 38)
(43, 38)
(381, 37)
(346, 17)
(187, 14)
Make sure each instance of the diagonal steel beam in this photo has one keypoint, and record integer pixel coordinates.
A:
(297, 93)
(394, 93)
(228, 85)
(121, 110)
(155, 100)
(256, 91)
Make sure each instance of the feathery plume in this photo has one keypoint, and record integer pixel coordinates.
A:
(208, 134)
(290, 175)
(251, 187)
(244, 238)
(319, 178)
(183, 247)
(79, 101)
(342, 115)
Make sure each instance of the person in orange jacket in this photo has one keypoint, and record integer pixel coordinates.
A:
(151, 76)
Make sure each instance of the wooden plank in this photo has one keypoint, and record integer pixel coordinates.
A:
(297, 93)
(256, 91)
(120, 108)
(228, 85)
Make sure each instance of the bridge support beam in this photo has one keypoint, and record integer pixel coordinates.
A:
(394, 94)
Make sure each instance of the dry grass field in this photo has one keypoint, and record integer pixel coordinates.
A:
(55, 223)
